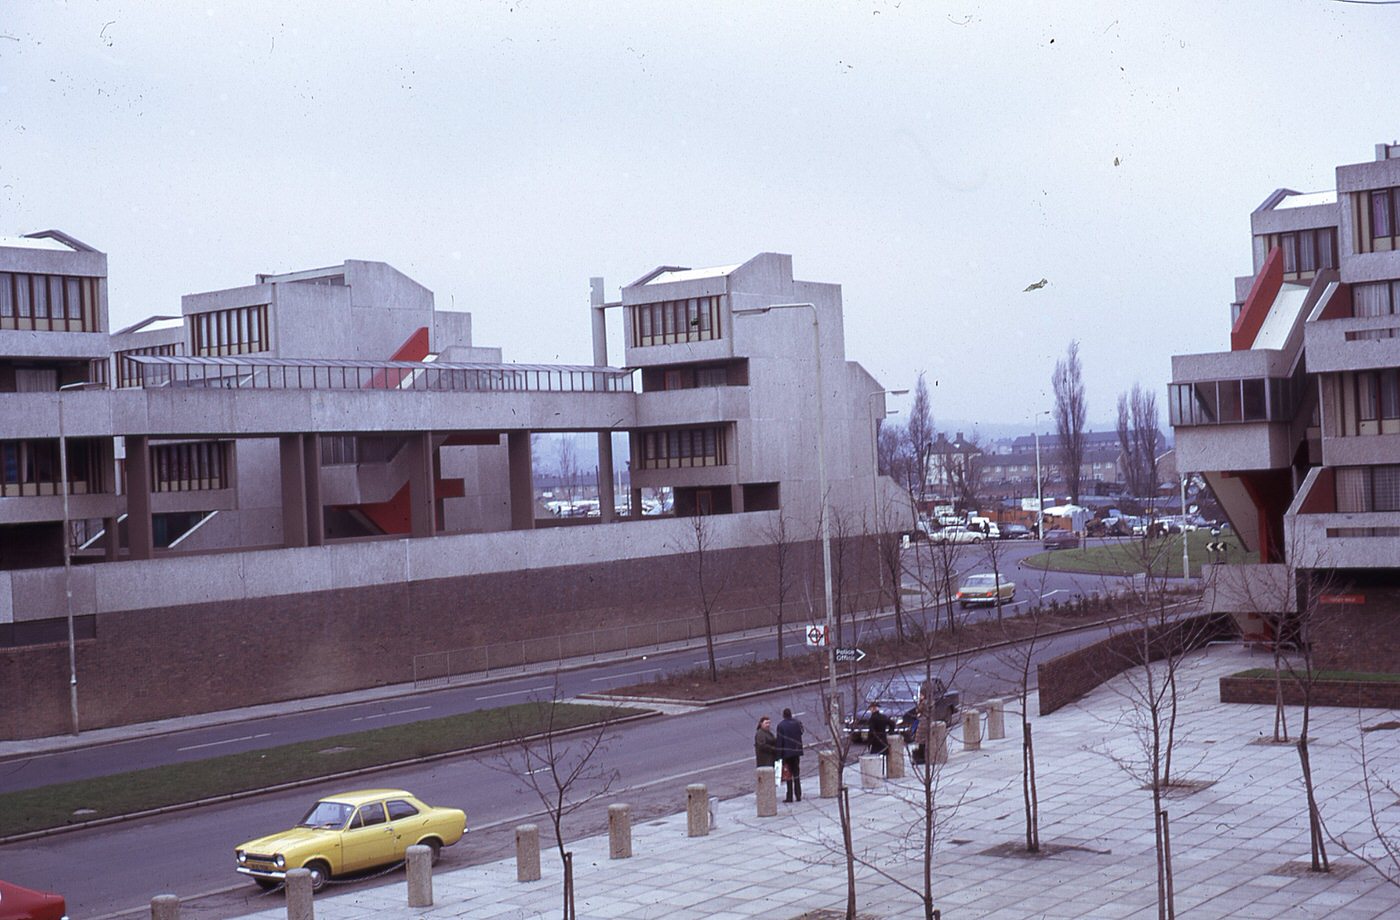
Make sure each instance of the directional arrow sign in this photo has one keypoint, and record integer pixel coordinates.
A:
(850, 654)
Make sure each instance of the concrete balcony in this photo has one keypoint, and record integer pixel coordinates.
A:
(1251, 446)
(701, 405)
(1345, 541)
(1349, 344)
(1360, 450)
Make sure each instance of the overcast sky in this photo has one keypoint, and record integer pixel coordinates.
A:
(934, 158)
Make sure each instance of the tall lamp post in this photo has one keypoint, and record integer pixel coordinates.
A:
(1039, 496)
(68, 556)
(875, 469)
(1185, 553)
(834, 702)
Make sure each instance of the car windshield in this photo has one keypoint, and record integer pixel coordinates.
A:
(327, 814)
(980, 581)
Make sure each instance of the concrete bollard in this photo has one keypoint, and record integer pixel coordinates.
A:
(697, 810)
(298, 887)
(996, 720)
(829, 774)
(894, 761)
(872, 770)
(619, 831)
(527, 853)
(165, 907)
(419, 870)
(937, 750)
(766, 795)
(972, 729)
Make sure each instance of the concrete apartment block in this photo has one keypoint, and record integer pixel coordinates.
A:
(1297, 426)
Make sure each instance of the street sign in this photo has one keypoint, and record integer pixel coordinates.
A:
(850, 654)
(816, 635)
(1217, 547)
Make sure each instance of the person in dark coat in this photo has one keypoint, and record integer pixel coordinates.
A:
(790, 750)
(877, 735)
(765, 743)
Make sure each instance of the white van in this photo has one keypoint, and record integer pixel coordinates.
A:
(985, 525)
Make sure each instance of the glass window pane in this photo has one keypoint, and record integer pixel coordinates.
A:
(1289, 242)
(1385, 488)
(1253, 410)
(1352, 489)
(1207, 403)
(7, 302)
(1306, 251)
(1380, 213)
(39, 291)
(1230, 410)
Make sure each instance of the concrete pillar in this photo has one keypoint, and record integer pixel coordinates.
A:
(872, 770)
(293, 490)
(972, 729)
(298, 889)
(165, 907)
(421, 500)
(522, 484)
(697, 810)
(311, 466)
(607, 496)
(829, 774)
(619, 831)
(736, 498)
(636, 503)
(111, 539)
(894, 761)
(766, 793)
(420, 875)
(139, 536)
(996, 720)
(937, 750)
(527, 853)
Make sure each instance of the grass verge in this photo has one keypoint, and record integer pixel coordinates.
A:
(157, 787)
(1133, 556)
(1360, 676)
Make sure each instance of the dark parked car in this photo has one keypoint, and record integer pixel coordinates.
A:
(18, 903)
(1060, 539)
(1016, 532)
(900, 701)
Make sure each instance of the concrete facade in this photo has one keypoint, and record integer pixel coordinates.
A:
(1297, 426)
(326, 449)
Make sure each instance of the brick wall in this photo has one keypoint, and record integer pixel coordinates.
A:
(1359, 637)
(1353, 694)
(169, 661)
(1065, 679)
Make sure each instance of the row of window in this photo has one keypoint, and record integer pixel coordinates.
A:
(682, 447)
(239, 331)
(1375, 298)
(695, 319)
(32, 468)
(129, 372)
(48, 303)
(1222, 402)
(1305, 252)
(1378, 394)
(192, 466)
(1377, 220)
(1361, 489)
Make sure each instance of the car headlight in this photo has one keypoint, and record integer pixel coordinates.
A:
(242, 857)
(279, 861)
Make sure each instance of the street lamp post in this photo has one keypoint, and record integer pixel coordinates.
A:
(68, 556)
(834, 702)
(1185, 552)
(1039, 496)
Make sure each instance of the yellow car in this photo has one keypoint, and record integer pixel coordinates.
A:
(985, 589)
(351, 832)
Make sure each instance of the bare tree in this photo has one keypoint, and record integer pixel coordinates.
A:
(556, 764)
(1382, 851)
(697, 541)
(567, 457)
(964, 473)
(889, 548)
(895, 455)
(783, 546)
(921, 434)
(1139, 440)
(1071, 409)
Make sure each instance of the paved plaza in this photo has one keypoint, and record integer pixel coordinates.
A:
(1238, 832)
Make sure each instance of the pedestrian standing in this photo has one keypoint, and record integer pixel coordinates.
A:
(877, 734)
(790, 750)
(765, 743)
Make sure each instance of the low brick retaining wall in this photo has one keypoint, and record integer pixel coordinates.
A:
(1352, 694)
(1065, 679)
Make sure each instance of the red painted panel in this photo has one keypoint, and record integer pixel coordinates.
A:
(1261, 297)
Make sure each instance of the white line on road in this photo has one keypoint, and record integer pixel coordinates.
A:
(496, 696)
(385, 715)
(195, 747)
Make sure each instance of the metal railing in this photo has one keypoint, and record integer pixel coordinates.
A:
(173, 371)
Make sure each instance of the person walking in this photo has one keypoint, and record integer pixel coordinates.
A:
(877, 735)
(765, 743)
(790, 750)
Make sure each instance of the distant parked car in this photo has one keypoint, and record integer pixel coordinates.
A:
(921, 531)
(1060, 539)
(18, 903)
(985, 589)
(957, 534)
(899, 699)
(1016, 532)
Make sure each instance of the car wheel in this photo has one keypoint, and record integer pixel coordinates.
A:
(435, 848)
(320, 874)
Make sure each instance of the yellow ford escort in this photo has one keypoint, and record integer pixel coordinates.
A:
(348, 833)
(986, 589)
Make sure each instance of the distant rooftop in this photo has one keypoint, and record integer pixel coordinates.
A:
(29, 242)
(1307, 199)
(691, 274)
(154, 324)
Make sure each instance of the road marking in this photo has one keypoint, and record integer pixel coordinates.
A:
(195, 747)
(496, 696)
(1056, 591)
(628, 674)
(385, 715)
